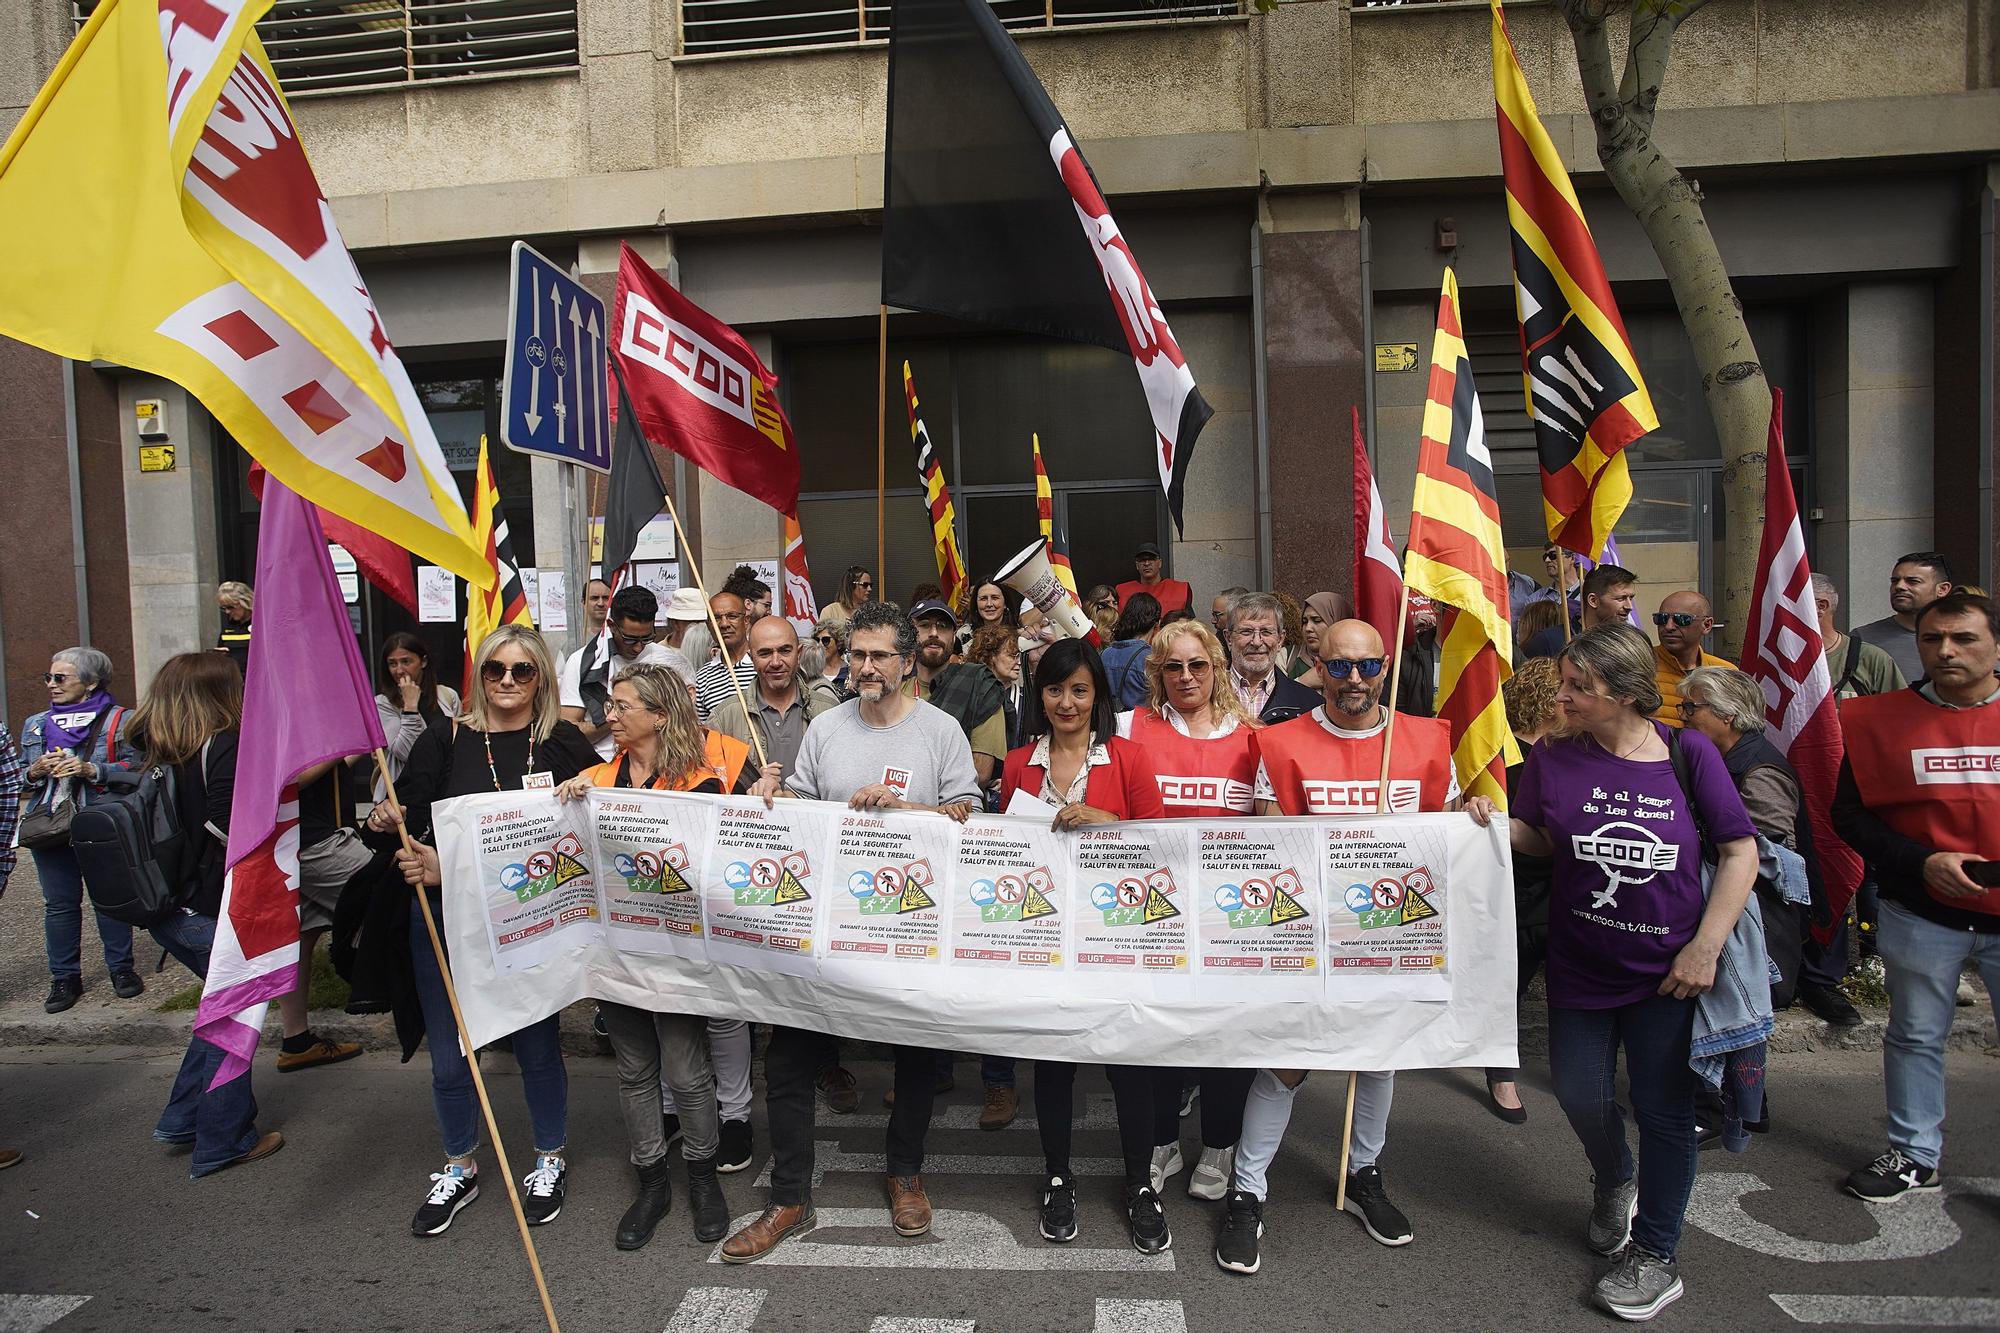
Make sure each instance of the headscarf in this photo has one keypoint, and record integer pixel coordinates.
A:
(1330, 607)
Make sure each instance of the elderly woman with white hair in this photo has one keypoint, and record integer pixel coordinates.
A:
(67, 750)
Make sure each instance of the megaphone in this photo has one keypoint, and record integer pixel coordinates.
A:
(1031, 575)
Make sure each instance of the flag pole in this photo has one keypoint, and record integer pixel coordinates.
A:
(882, 456)
(694, 567)
(1562, 590)
(471, 1054)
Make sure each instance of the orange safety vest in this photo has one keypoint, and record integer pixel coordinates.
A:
(1930, 773)
(725, 754)
(1211, 778)
(1315, 772)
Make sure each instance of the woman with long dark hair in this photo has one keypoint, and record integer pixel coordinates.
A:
(990, 604)
(1131, 641)
(408, 699)
(1079, 765)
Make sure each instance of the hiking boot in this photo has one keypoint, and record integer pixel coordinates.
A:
(451, 1189)
(1059, 1211)
(1891, 1176)
(1367, 1201)
(1612, 1208)
(1639, 1285)
(1002, 1105)
(1236, 1249)
(542, 1189)
(759, 1238)
(837, 1090)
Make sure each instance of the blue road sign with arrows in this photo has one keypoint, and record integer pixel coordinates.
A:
(552, 398)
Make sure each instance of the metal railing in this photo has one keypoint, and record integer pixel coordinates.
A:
(714, 26)
(338, 45)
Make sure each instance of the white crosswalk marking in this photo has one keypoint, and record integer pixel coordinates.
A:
(32, 1314)
(961, 1240)
(895, 1323)
(717, 1310)
(827, 1156)
(1902, 1311)
(1116, 1316)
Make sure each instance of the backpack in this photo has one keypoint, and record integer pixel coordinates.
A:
(137, 857)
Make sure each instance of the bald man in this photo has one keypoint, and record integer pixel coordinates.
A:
(1329, 762)
(784, 708)
(1683, 621)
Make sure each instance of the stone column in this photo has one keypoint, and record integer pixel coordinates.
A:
(170, 528)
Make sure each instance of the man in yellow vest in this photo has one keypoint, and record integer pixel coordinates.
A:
(1683, 621)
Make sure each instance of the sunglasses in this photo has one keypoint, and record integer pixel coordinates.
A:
(1200, 666)
(1679, 618)
(522, 673)
(826, 639)
(1340, 668)
(57, 679)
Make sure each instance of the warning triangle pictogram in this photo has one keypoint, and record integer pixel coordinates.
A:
(568, 868)
(790, 890)
(1159, 907)
(672, 881)
(914, 899)
(1036, 904)
(1286, 908)
(1415, 908)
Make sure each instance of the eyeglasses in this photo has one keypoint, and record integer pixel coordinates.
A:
(55, 679)
(522, 673)
(1679, 618)
(1340, 668)
(620, 707)
(873, 659)
(1200, 666)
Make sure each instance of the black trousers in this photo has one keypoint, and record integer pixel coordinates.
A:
(1135, 1092)
(1223, 1093)
(791, 1064)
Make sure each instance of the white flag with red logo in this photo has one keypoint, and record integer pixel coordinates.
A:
(1378, 575)
(1784, 652)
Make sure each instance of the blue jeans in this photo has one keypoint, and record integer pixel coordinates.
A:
(221, 1124)
(995, 1071)
(1583, 1060)
(1923, 960)
(62, 918)
(537, 1049)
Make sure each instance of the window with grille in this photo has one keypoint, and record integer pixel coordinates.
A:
(714, 26)
(336, 45)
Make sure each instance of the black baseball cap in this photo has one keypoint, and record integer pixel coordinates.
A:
(932, 607)
(1146, 551)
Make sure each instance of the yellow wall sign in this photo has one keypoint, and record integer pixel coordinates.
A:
(1395, 356)
(156, 458)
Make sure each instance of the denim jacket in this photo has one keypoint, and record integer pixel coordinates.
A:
(1732, 1022)
(36, 792)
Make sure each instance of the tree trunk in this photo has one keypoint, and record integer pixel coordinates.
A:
(1668, 206)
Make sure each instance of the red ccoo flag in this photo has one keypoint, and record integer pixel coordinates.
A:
(698, 389)
(1786, 655)
(1378, 577)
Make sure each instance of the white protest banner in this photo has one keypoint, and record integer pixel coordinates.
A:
(1233, 943)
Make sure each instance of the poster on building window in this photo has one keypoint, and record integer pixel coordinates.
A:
(648, 854)
(1133, 886)
(1009, 898)
(535, 871)
(761, 882)
(1387, 909)
(1258, 924)
(886, 901)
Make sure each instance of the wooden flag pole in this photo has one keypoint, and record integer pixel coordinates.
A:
(882, 457)
(471, 1054)
(1562, 589)
(694, 567)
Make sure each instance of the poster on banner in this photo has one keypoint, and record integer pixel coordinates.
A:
(1387, 915)
(553, 596)
(885, 898)
(770, 574)
(437, 596)
(1133, 909)
(538, 893)
(761, 882)
(1008, 899)
(531, 592)
(662, 576)
(1258, 924)
(647, 850)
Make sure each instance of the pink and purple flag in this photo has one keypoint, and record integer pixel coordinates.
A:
(306, 700)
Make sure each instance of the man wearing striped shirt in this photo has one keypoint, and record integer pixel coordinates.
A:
(711, 683)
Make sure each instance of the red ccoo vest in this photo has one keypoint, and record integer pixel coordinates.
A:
(1930, 773)
(1314, 772)
(1199, 779)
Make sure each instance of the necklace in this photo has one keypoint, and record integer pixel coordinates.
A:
(487, 738)
(1635, 749)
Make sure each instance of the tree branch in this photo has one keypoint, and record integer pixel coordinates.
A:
(1654, 23)
(1593, 63)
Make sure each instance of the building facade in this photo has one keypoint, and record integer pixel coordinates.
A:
(1294, 182)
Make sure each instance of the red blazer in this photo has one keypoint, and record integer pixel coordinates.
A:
(1127, 786)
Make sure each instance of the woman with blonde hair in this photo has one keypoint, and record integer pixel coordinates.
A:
(510, 736)
(235, 601)
(661, 747)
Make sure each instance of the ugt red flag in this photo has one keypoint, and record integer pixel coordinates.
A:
(306, 700)
(698, 389)
(800, 607)
(1378, 576)
(1785, 654)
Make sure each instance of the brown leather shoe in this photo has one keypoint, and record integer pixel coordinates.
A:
(9, 1157)
(321, 1052)
(269, 1142)
(1002, 1105)
(909, 1206)
(762, 1236)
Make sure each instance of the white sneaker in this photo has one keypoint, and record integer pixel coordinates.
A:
(1167, 1164)
(1210, 1179)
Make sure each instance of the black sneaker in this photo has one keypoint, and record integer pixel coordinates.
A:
(1148, 1220)
(670, 1130)
(63, 993)
(735, 1152)
(125, 984)
(1891, 1176)
(1367, 1201)
(1829, 1004)
(597, 1027)
(1059, 1211)
(542, 1190)
(1236, 1249)
(451, 1190)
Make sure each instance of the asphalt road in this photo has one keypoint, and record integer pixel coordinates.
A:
(316, 1237)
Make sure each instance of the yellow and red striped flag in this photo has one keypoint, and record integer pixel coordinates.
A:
(1045, 512)
(1456, 556)
(506, 602)
(937, 500)
(1584, 389)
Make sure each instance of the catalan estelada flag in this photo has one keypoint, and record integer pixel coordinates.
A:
(1456, 556)
(937, 501)
(506, 602)
(1045, 513)
(157, 210)
(1583, 384)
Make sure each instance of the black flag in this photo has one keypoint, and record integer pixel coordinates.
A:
(992, 215)
(636, 494)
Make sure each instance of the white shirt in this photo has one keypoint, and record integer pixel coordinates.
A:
(571, 692)
(1264, 791)
(1228, 723)
(1096, 755)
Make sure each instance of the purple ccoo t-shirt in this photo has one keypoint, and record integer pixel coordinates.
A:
(1626, 894)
